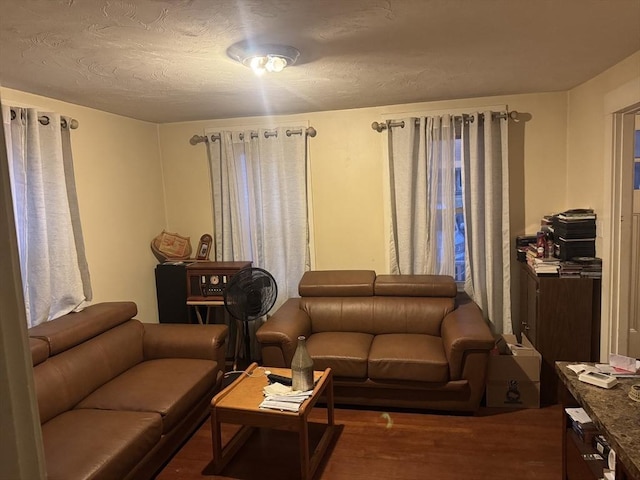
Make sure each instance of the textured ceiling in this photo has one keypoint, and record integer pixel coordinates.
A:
(165, 61)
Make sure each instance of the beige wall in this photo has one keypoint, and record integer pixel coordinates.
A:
(346, 166)
(586, 136)
(120, 192)
(590, 178)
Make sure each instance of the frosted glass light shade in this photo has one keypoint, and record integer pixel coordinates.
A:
(264, 58)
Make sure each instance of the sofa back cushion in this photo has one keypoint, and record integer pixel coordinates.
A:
(416, 286)
(377, 314)
(337, 283)
(39, 351)
(74, 328)
(63, 380)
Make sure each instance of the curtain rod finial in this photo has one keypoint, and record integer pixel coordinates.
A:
(379, 127)
(196, 139)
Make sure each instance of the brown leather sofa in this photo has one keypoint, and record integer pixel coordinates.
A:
(391, 340)
(117, 397)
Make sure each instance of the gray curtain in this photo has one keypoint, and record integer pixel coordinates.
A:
(260, 202)
(54, 268)
(485, 177)
(422, 163)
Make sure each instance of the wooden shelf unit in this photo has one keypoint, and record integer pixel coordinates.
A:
(561, 318)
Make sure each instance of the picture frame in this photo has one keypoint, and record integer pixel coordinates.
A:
(204, 247)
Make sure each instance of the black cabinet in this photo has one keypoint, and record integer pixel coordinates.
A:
(561, 318)
(171, 291)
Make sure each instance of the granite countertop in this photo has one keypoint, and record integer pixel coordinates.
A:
(613, 412)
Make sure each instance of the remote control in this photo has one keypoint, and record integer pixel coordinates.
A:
(273, 378)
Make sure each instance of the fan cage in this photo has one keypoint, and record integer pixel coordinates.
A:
(250, 294)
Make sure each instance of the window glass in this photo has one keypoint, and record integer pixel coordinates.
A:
(636, 173)
(459, 224)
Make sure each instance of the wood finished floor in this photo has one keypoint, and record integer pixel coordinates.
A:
(494, 444)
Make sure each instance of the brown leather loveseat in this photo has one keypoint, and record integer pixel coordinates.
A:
(391, 340)
(117, 397)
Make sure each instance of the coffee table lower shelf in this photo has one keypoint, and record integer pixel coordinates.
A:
(238, 404)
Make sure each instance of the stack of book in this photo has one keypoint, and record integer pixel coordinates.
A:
(575, 233)
(543, 267)
(581, 267)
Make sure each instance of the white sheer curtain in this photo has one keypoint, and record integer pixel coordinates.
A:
(54, 269)
(422, 165)
(485, 176)
(260, 202)
(422, 176)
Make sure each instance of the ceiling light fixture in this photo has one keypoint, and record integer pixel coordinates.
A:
(263, 58)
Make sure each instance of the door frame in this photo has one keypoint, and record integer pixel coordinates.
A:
(621, 106)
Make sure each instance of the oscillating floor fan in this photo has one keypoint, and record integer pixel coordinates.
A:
(249, 295)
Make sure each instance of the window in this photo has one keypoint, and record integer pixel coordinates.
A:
(636, 172)
(459, 222)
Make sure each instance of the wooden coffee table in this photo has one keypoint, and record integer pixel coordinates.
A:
(238, 404)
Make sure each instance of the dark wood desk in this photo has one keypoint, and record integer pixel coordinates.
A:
(561, 317)
(616, 416)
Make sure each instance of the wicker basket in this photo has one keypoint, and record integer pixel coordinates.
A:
(171, 247)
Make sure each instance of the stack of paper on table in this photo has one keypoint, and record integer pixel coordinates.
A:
(281, 397)
(619, 366)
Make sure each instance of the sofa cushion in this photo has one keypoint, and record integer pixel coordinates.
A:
(65, 379)
(377, 315)
(419, 358)
(337, 283)
(345, 353)
(39, 351)
(74, 328)
(415, 286)
(169, 387)
(98, 444)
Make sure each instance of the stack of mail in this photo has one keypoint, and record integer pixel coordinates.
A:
(281, 397)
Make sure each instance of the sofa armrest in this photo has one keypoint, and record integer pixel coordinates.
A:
(169, 340)
(278, 336)
(463, 331)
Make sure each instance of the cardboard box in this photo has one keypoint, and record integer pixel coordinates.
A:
(513, 381)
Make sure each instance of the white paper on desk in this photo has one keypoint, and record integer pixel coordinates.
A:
(285, 406)
(289, 398)
(605, 368)
(628, 364)
(578, 368)
(578, 415)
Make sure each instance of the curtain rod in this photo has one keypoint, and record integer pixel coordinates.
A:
(44, 120)
(309, 132)
(379, 127)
